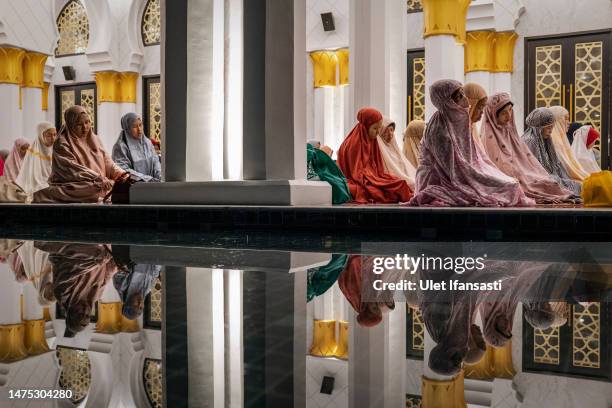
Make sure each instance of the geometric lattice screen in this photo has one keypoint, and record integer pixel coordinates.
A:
(75, 374)
(152, 376)
(414, 6)
(418, 90)
(548, 88)
(588, 83)
(73, 27)
(151, 27)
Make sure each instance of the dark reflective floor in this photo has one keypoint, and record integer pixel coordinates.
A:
(264, 320)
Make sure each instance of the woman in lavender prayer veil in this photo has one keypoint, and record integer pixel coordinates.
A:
(452, 171)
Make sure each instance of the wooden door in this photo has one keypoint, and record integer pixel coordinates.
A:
(81, 94)
(416, 85)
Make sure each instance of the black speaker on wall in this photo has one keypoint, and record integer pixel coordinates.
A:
(328, 21)
(69, 73)
(327, 385)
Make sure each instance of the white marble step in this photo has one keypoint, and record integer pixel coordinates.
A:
(478, 385)
(478, 398)
(478, 393)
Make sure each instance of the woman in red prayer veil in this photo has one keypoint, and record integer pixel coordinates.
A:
(360, 160)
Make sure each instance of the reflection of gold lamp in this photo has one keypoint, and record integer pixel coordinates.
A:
(482, 370)
(343, 340)
(12, 342)
(109, 318)
(502, 358)
(323, 338)
(35, 340)
(46, 314)
(443, 393)
(129, 326)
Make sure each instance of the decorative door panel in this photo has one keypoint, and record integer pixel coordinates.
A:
(82, 94)
(415, 334)
(416, 85)
(152, 108)
(580, 348)
(573, 71)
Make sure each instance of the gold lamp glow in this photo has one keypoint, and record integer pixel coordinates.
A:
(324, 68)
(109, 318)
(504, 51)
(35, 340)
(461, 24)
(12, 346)
(323, 338)
(343, 340)
(343, 64)
(441, 17)
(479, 51)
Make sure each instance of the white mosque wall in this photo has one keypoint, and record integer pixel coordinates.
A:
(316, 38)
(414, 29)
(553, 17)
(28, 24)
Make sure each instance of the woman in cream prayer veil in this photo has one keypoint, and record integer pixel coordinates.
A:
(563, 147)
(393, 158)
(36, 167)
(412, 141)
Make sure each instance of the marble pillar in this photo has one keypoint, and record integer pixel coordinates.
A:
(11, 77)
(444, 34)
(274, 111)
(378, 44)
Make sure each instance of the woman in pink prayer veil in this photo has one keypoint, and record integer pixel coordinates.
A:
(452, 171)
(512, 156)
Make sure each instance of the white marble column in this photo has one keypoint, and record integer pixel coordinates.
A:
(274, 109)
(32, 310)
(502, 82)
(378, 44)
(108, 124)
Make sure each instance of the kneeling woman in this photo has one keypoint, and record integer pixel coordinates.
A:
(512, 156)
(360, 160)
(134, 152)
(81, 170)
(453, 171)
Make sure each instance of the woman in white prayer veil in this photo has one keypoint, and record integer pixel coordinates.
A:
(395, 162)
(582, 147)
(38, 270)
(36, 167)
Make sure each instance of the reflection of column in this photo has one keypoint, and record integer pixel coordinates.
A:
(116, 94)
(377, 364)
(32, 92)
(440, 390)
(12, 331)
(443, 28)
(11, 76)
(234, 397)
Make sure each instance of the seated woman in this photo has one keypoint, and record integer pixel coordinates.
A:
(512, 156)
(395, 163)
(320, 166)
(412, 141)
(452, 171)
(360, 160)
(477, 96)
(582, 147)
(562, 145)
(134, 152)
(12, 164)
(81, 170)
(36, 168)
(540, 124)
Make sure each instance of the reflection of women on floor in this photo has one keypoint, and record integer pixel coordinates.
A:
(452, 172)
(512, 156)
(38, 271)
(80, 272)
(322, 278)
(133, 286)
(360, 160)
(134, 152)
(395, 163)
(538, 138)
(81, 170)
(369, 308)
(36, 168)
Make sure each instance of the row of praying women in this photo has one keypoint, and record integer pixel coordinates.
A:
(72, 166)
(451, 162)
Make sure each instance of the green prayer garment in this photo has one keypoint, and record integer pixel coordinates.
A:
(322, 166)
(322, 278)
